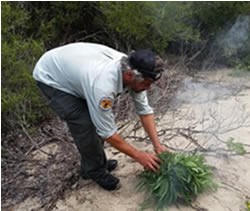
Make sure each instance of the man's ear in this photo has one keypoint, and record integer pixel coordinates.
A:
(128, 76)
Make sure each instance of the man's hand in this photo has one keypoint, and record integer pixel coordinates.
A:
(148, 160)
(149, 126)
(160, 148)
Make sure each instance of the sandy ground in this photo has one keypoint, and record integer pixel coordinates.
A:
(210, 108)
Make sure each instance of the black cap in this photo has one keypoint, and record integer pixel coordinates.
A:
(145, 62)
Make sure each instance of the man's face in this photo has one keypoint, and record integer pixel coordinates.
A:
(142, 85)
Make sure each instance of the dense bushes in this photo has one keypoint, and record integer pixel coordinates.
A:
(150, 24)
(28, 30)
(20, 97)
(31, 28)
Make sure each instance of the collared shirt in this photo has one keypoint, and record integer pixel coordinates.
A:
(92, 72)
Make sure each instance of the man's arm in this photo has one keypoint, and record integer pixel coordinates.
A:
(148, 124)
(146, 159)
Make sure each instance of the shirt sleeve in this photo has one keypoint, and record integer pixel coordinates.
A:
(141, 103)
(100, 108)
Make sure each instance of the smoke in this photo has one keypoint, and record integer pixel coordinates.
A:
(230, 43)
(235, 38)
(201, 92)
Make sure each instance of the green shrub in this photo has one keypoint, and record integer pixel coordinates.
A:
(248, 205)
(21, 100)
(181, 176)
(150, 24)
(236, 147)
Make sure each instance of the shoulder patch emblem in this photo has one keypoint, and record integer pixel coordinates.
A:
(106, 103)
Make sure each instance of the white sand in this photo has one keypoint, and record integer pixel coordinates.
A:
(232, 173)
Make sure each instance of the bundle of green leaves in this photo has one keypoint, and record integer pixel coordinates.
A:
(180, 177)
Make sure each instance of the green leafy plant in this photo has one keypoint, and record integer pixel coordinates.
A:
(236, 147)
(248, 205)
(181, 177)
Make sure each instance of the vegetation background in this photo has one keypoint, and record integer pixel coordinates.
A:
(31, 28)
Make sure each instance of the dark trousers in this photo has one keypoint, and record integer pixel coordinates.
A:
(75, 112)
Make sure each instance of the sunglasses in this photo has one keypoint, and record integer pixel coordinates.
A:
(149, 74)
